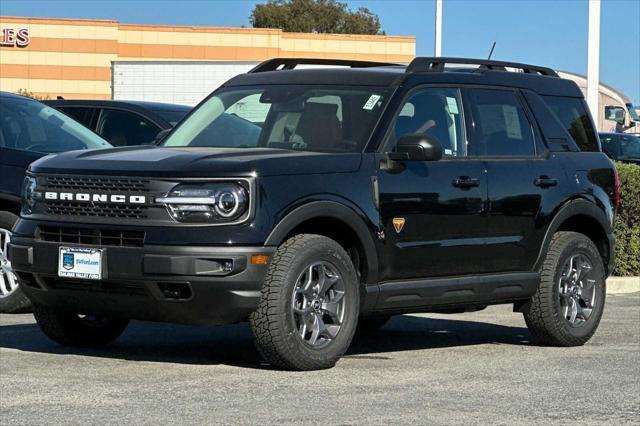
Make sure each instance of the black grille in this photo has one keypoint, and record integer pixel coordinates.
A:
(96, 183)
(128, 288)
(96, 210)
(101, 237)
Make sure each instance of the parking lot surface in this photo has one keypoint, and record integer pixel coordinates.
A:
(474, 368)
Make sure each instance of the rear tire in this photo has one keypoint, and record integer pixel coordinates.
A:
(309, 308)
(568, 305)
(12, 298)
(75, 330)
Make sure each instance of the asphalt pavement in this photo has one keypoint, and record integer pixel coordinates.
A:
(475, 368)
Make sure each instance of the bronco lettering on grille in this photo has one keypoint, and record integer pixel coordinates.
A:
(95, 198)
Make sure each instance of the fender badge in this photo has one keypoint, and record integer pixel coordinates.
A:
(398, 223)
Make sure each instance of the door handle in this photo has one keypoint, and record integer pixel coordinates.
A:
(545, 182)
(466, 182)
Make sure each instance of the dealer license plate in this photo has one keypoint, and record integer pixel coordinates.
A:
(80, 262)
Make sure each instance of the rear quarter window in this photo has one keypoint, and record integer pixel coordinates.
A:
(573, 115)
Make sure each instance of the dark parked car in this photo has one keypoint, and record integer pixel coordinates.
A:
(28, 131)
(123, 123)
(624, 147)
(346, 196)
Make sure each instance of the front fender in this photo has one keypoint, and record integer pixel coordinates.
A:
(330, 209)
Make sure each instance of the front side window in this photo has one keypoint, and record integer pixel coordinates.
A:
(435, 112)
(574, 117)
(500, 123)
(305, 118)
(123, 128)
(28, 125)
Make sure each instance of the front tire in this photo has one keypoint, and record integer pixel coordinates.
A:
(309, 308)
(566, 309)
(85, 331)
(12, 298)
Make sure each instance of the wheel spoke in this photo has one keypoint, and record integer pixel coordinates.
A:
(317, 329)
(3, 284)
(573, 311)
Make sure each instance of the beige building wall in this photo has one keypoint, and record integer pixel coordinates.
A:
(72, 57)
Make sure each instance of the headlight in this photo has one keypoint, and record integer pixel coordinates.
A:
(28, 194)
(208, 202)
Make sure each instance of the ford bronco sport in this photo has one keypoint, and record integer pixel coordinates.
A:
(314, 201)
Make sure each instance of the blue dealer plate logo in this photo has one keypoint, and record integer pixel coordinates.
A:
(67, 261)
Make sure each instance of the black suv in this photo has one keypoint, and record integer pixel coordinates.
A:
(313, 201)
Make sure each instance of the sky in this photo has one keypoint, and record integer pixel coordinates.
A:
(543, 32)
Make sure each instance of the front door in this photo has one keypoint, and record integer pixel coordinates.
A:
(433, 213)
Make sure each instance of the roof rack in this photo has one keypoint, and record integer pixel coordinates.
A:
(437, 64)
(290, 63)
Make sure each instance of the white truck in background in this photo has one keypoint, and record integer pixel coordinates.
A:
(616, 113)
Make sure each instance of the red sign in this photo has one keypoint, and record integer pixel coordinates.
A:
(12, 37)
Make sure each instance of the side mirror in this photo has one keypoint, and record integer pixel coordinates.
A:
(615, 113)
(161, 135)
(417, 147)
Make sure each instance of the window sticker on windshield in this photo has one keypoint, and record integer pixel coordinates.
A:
(373, 100)
(452, 104)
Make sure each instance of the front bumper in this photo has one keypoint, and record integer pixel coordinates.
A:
(157, 283)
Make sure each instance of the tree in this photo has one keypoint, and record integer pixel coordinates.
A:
(29, 94)
(315, 16)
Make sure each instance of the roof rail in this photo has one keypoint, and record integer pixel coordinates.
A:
(290, 63)
(437, 64)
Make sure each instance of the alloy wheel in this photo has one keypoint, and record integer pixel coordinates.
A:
(318, 304)
(577, 290)
(8, 279)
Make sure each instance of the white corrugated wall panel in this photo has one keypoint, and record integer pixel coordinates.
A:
(185, 83)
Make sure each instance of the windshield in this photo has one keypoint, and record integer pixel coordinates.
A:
(629, 146)
(28, 125)
(173, 117)
(632, 112)
(306, 118)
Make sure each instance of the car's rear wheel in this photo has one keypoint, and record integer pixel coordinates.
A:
(12, 298)
(309, 307)
(566, 309)
(70, 329)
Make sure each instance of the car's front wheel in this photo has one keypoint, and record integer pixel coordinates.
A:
(566, 309)
(309, 307)
(69, 329)
(12, 299)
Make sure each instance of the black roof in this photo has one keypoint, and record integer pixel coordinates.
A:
(120, 103)
(421, 71)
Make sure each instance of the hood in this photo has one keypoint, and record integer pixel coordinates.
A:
(155, 161)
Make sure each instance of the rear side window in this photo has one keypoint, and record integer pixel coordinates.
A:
(501, 124)
(573, 115)
(80, 114)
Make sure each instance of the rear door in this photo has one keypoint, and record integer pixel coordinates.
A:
(433, 213)
(524, 180)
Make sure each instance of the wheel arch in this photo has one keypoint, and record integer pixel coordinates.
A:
(335, 221)
(584, 217)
